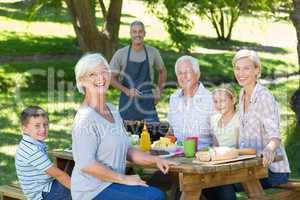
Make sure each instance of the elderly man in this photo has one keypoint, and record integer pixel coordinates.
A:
(135, 63)
(191, 106)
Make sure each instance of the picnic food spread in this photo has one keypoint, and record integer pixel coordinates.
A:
(165, 142)
(216, 154)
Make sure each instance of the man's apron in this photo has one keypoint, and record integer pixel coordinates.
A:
(137, 75)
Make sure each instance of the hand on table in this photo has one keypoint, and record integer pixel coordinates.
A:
(268, 156)
(163, 165)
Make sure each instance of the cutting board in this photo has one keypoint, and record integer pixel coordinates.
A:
(241, 157)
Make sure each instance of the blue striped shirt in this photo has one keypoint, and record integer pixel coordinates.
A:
(32, 162)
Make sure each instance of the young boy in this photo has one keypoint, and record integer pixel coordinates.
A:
(38, 177)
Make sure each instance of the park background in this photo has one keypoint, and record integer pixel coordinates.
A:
(39, 48)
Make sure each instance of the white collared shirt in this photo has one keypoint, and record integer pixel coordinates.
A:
(260, 124)
(190, 116)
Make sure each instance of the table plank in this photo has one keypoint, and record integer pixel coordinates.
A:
(195, 177)
(185, 164)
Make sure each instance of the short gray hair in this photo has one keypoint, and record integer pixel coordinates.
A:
(192, 60)
(137, 23)
(251, 55)
(87, 63)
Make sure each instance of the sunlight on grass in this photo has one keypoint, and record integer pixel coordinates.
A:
(9, 150)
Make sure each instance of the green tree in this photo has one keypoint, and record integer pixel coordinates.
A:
(222, 14)
(176, 20)
(83, 15)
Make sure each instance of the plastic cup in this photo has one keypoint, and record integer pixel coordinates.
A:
(189, 147)
(134, 139)
(196, 138)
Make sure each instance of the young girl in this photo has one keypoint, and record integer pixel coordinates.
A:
(225, 124)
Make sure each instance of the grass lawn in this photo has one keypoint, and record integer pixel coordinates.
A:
(49, 82)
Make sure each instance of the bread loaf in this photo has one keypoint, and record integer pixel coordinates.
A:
(247, 151)
(217, 153)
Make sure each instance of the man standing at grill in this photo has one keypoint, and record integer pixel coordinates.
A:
(133, 74)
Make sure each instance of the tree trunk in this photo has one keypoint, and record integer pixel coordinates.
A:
(90, 39)
(223, 21)
(295, 100)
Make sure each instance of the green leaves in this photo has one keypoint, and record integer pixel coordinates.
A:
(222, 14)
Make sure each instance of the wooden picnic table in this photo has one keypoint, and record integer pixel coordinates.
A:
(195, 177)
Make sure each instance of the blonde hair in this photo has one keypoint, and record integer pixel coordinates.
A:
(229, 90)
(251, 55)
(88, 63)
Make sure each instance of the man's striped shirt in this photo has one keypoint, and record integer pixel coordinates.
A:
(32, 162)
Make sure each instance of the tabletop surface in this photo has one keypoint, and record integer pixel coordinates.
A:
(186, 165)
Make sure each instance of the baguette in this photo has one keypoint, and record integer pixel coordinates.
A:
(223, 153)
(247, 151)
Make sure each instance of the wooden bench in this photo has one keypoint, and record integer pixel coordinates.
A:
(292, 190)
(12, 191)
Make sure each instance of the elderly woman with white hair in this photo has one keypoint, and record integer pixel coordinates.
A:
(191, 106)
(259, 118)
(100, 145)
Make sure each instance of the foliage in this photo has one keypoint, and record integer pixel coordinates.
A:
(90, 38)
(6, 83)
(176, 21)
(222, 14)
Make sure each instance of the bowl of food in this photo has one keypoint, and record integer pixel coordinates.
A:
(164, 144)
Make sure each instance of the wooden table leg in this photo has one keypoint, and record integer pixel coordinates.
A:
(65, 165)
(189, 186)
(175, 192)
(254, 190)
(190, 195)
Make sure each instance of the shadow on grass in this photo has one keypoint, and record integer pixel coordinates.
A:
(59, 140)
(19, 11)
(233, 45)
(9, 138)
(17, 44)
(48, 75)
(216, 67)
(42, 75)
(292, 145)
(7, 169)
(214, 44)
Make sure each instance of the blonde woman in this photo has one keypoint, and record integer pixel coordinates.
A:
(225, 124)
(259, 118)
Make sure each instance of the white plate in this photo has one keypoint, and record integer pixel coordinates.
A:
(167, 155)
(168, 149)
(68, 150)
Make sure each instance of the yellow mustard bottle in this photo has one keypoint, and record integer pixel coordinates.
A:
(145, 142)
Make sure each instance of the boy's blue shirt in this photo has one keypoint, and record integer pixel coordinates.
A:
(40, 144)
(32, 162)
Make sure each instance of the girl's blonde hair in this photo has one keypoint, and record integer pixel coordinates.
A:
(251, 55)
(229, 90)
